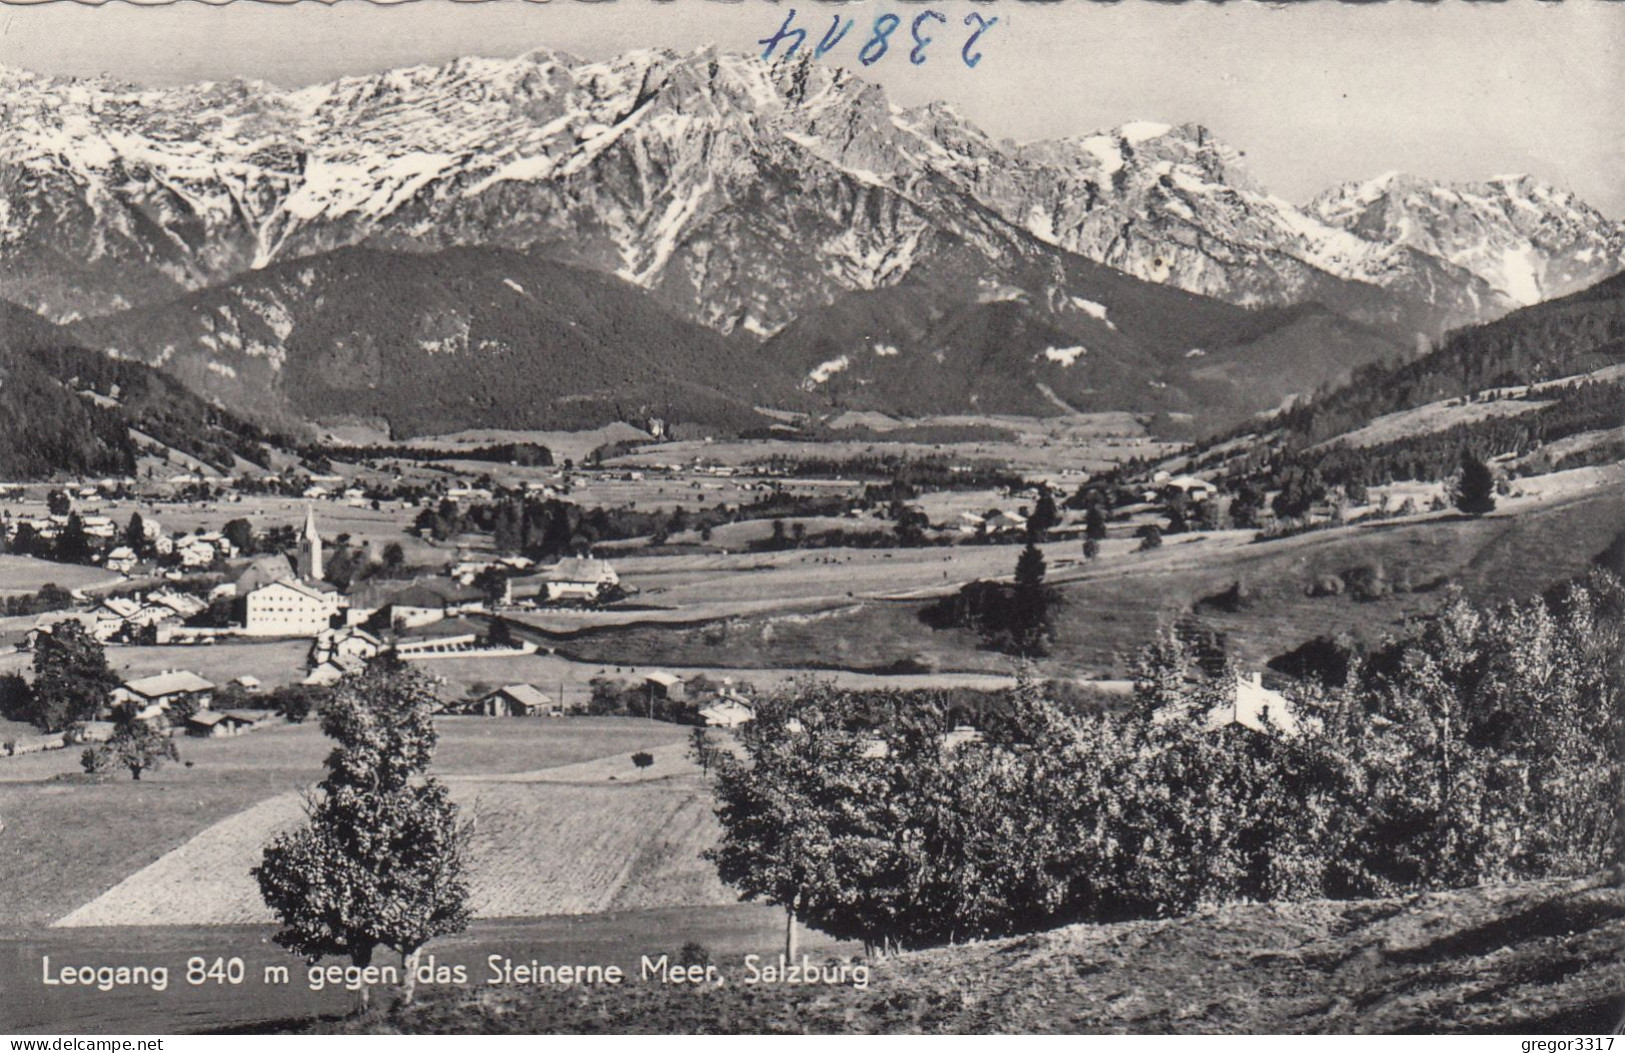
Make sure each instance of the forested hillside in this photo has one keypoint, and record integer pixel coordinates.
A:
(68, 410)
(443, 341)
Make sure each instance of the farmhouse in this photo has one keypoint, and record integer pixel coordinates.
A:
(666, 686)
(121, 560)
(350, 641)
(160, 692)
(424, 602)
(1192, 487)
(333, 670)
(290, 608)
(1002, 522)
(727, 711)
(578, 578)
(45, 623)
(207, 724)
(183, 604)
(1255, 707)
(515, 700)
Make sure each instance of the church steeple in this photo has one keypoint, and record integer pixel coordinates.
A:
(310, 549)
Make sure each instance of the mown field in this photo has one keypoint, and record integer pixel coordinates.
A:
(1112, 607)
(22, 574)
(66, 842)
(539, 849)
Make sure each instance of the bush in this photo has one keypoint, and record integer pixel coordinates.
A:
(1477, 747)
(1326, 585)
(1366, 582)
(642, 760)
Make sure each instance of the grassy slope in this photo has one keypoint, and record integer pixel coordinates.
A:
(1541, 957)
(64, 844)
(1123, 600)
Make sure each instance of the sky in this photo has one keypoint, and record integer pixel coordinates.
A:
(1313, 93)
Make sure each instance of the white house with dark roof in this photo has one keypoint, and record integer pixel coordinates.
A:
(290, 608)
(514, 700)
(1255, 707)
(152, 695)
(727, 711)
(579, 578)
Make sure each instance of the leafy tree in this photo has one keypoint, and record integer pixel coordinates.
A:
(1091, 549)
(394, 555)
(701, 749)
(382, 858)
(1094, 523)
(1044, 517)
(58, 503)
(26, 541)
(781, 805)
(1178, 507)
(1300, 490)
(642, 760)
(72, 682)
(240, 532)
(1150, 537)
(909, 524)
(1473, 491)
(1246, 506)
(135, 745)
(135, 535)
(296, 702)
(73, 544)
(493, 581)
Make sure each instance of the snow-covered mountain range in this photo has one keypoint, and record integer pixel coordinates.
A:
(741, 193)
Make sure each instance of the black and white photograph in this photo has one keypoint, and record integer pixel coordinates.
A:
(791, 517)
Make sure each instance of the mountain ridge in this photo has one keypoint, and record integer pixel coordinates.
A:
(641, 165)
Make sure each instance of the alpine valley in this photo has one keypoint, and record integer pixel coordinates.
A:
(689, 236)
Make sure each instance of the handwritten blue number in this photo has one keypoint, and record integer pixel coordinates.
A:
(917, 56)
(982, 26)
(826, 44)
(885, 25)
(795, 36)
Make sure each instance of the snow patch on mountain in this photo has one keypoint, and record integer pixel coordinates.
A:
(1094, 310)
(821, 373)
(1065, 357)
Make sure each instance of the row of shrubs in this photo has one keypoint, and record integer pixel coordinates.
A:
(1481, 745)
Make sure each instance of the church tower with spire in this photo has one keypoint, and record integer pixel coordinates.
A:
(310, 566)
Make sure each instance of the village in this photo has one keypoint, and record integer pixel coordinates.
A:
(200, 602)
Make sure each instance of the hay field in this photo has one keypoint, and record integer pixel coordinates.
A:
(540, 849)
(20, 574)
(1116, 604)
(66, 843)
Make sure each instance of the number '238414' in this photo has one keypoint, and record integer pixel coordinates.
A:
(879, 38)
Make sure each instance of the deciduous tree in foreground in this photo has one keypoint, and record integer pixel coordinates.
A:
(382, 860)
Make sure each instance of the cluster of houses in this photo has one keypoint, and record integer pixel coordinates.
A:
(156, 697)
(721, 707)
(124, 617)
(998, 523)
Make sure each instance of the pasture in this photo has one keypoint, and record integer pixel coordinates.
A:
(274, 662)
(1115, 605)
(539, 849)
(67, 842)
(24, 574)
